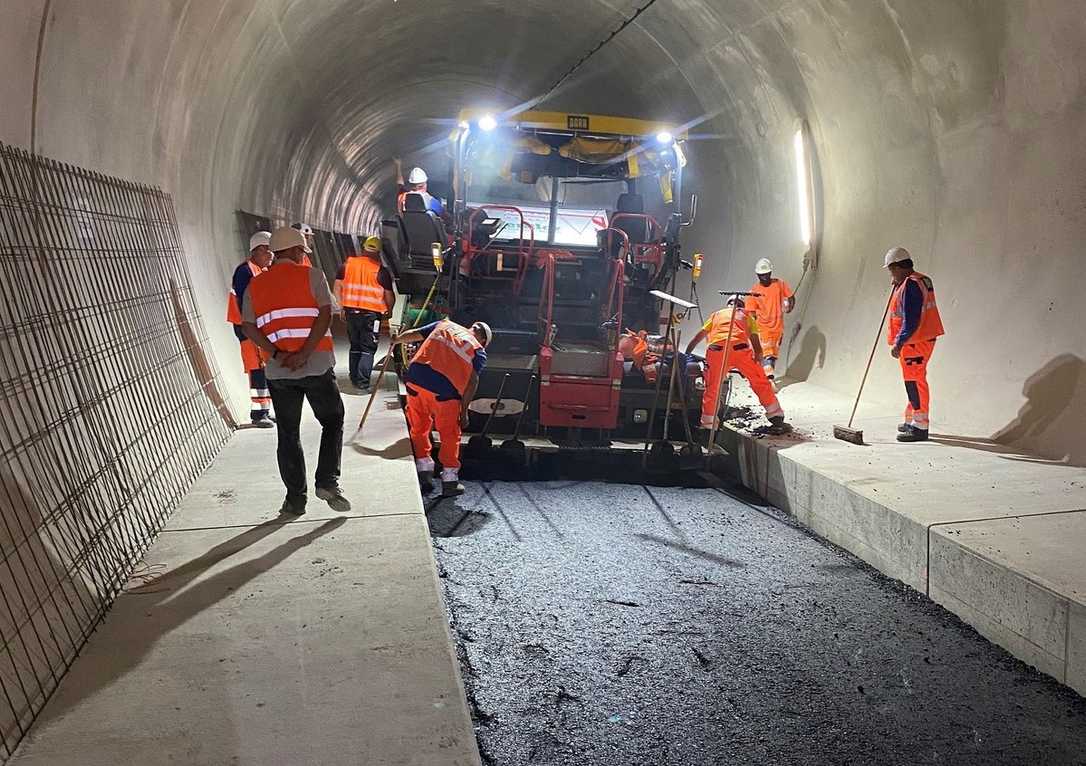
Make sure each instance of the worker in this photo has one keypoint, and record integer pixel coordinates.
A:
(252, 358)
(363, 290)
(441, 382)
(287, 312)
(914, 325)
(417, 183)
(771, 299)
(745, 356)
(310, 237)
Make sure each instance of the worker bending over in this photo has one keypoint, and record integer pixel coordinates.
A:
(363, 290)
(441, 382)
(737, 329)
(287, 312)
(771, 300)
(914, 325)
(252, 358)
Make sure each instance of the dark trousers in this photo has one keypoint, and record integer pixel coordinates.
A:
(323, 395)
(363, 337)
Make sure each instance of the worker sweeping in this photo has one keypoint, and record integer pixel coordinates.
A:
(914, 326)
(252, 358)
(732, 326)
(364, 292)
(441, 381)
(771, 299)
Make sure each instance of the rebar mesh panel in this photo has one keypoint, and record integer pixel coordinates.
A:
(109, 408)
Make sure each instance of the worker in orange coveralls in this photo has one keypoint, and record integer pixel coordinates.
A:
(771, 300)
(252, 359)
(441, 382)
(737, 329)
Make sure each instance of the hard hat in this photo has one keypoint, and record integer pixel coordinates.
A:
(286, 238)
(372, 245)
(304, 228)
(488, 334)
(417, 176)
(896, 255)
(258, 239)
(764, 266)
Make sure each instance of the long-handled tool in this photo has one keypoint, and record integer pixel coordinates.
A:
(514, 447)
(480, 442)
(373, 394)
(848, 433)
(719, 414)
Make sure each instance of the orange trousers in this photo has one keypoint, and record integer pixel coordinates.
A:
(914, 369)
(741, 359)
(424, 411)
(771, 350)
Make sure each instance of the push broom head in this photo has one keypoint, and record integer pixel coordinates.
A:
(846, 434)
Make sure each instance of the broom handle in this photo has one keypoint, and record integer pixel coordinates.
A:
(376, 388)
(871, 358)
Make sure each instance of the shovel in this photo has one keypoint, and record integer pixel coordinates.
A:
(480, 442)
(514, 447)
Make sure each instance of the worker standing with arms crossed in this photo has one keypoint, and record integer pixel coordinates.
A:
(770, 301)
(287, 312)
(737, 328)
(260, 257)
(441, 382)
(364, 291)
(914, 325)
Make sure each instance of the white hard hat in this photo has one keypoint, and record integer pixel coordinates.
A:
(417, 176)
(764, 266)
(258, 239)
(286, 238)
(304, 228)
(896, 255)
(488, 334)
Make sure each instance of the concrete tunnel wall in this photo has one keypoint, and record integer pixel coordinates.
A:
(954, 127)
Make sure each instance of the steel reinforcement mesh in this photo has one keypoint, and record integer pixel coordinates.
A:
(109, 408)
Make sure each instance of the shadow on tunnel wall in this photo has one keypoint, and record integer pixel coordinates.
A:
(812, 352)
(197, 356)
(1049, 422)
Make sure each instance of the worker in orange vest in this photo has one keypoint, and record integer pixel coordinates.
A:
(738, 329)
(441, 382)
(363, 290)
(914, 325)
(287, 312)
(771, 299)
(252, 358)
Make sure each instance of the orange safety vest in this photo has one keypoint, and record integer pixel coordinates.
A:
(233, 308)
(285, 308)
(931, 324)
(361, 288)
(450, 349)
(720, 327)
(767, 305)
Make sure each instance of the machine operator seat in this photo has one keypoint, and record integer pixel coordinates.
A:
(637, 229)
(421, 226)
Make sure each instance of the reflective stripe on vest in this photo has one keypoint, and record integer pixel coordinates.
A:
(361, 288)
(233, 305)
(450, 349)
(285, 308)
(931, 323)
(720, 327)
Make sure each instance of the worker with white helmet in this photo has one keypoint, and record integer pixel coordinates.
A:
(363, 289)
(771, 299)
(914, 326)
(441, 382)
(260, 257)
(310, 237)
(417, 183)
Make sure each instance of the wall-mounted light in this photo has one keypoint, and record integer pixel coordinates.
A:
(803, 187)
(664, 138)
(487, 123)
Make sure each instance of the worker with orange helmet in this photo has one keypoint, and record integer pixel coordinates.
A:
(733, 333)
(914, 326)
(364, 291)
(252, 359)
(441, 382)
(769, 301)
(287, 312)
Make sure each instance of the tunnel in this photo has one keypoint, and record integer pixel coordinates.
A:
(954, 128)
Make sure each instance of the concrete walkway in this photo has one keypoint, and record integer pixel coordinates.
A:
(320, 641)
(994, 535)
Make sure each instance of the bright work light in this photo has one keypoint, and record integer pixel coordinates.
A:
(803, 186)
(665, 138)
(487, 122)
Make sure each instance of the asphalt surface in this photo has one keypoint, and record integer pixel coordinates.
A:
(619, 624)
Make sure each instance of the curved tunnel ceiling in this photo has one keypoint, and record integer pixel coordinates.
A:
(954, 127)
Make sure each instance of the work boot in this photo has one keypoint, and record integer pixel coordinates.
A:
(904, 428)
(333, 495)
(778, 426)
(293, 507)
(914, 434)
(426, 482)
(451, 488)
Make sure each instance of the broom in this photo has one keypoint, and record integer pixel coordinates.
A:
(373, 393)
(848, 433)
